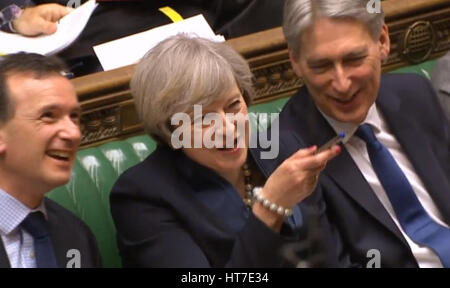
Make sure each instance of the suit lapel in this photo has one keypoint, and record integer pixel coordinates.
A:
(218, 211)
(4, 260)
(55, 230)
(315, 130)
(419, 153)
(344, 171)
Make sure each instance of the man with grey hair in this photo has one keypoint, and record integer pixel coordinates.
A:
(388, 193)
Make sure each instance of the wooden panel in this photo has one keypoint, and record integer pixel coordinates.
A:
(419, 31)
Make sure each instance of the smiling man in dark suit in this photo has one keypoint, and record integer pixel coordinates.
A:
(389, 189)
(39, 138)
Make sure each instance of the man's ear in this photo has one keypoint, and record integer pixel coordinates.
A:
(2, 141)
(385, 43)
(295, 62)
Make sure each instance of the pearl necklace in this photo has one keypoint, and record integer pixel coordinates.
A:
(248, 197)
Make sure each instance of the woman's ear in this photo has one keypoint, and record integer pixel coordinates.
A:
(384, 43)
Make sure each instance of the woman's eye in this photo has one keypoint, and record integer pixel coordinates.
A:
(236, 104)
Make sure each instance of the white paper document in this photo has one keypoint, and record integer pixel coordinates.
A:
(69, 28)
(129, 50)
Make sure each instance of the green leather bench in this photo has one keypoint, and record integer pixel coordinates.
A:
(96, 169)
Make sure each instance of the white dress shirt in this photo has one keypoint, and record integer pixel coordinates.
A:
(426, 258)
(17, 242)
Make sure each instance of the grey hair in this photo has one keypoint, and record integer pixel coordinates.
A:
(298, 15)
(181, 72)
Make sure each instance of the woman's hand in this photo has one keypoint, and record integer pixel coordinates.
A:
(40, 19)
(293, 181)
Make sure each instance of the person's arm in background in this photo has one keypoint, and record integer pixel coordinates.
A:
(8, 12)
(40, 19)
(33, 20)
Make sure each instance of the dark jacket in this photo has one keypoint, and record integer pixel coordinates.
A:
(172, 212)
(441, 82)
(67, 232)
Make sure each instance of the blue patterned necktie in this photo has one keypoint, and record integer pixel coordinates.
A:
(416, 222)
(36, 225)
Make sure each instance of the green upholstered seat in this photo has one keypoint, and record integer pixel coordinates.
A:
(96, 170)
(87, 194)
(425, 69)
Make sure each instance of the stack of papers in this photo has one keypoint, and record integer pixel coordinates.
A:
(129, 50)
(69, 28)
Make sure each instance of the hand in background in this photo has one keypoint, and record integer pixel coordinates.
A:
(40, 19)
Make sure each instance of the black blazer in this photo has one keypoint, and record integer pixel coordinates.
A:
(411, 110)
(173, 212)
(67, 232)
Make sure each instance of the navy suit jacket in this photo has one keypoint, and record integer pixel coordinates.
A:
(415, 117)
(173, 212)
(67, 232)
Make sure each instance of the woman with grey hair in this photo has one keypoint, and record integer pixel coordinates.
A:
(193, 204)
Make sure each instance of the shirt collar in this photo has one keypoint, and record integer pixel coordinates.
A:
(372, 118)
(13, 212)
